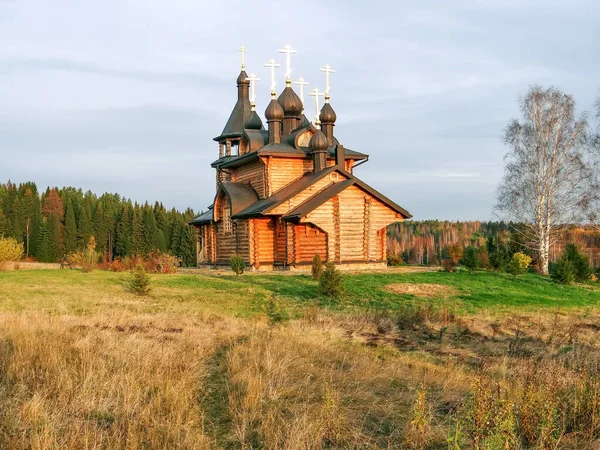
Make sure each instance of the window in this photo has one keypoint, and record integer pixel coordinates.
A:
(227, 225)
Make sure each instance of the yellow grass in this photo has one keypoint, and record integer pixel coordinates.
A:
(86, 365)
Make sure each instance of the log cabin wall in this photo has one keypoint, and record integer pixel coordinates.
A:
(282, 171)
(356, 224)
(264, 242)
(254, 174)
(236, 241)
(309, 240)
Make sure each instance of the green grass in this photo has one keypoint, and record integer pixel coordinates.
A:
(62, 291)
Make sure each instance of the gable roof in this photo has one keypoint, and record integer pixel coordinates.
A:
(240, 195)
(263, 206)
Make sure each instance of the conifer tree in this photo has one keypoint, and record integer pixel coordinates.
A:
(124, 233)
(84, 227)
(186, 250)
(137, 231)
(17, 229)
(3, 223)
(70, 231)
(54, 236)
(150, 228)
(43, 253)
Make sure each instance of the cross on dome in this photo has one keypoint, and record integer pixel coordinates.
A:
(252, 79)
(301, 82)
(288, 50)
(316, 94)
(272, 64)
(327, 69)
(243, 50)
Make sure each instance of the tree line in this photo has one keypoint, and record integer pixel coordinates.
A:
(56, 222)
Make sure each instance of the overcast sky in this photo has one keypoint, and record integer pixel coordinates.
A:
(126, 95)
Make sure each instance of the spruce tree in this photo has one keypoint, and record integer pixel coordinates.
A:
(54, 235)
(43, 253)
(137, 231)
(84, 227)
(123, 244)
(150, 230)
(70, 231)
(3, 223)
(187, 246)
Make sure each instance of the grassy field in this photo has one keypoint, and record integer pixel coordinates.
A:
(405, 360)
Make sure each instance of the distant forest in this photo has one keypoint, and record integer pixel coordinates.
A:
(425, 242)
(60, 221)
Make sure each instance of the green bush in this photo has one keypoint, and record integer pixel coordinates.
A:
(581, 266)
(139, 283)
(317, 267)
(470, 258)
(394, 260)
(519, 264)
(563, 271)
(237, 264)
(331, 281)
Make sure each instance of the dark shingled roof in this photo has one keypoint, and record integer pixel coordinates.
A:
(205, 217)
(263, 206)
(241, 195)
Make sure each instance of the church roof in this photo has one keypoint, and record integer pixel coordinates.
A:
(241, 195)
(263, 206)
(205, 217)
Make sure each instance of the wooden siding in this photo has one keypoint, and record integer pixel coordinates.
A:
(305, 194)
(355, 223)
(309, 241)
(282, 171)
(264, 241)
(254, 174)
(235, 242)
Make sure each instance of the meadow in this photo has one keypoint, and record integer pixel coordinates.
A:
(418, 360)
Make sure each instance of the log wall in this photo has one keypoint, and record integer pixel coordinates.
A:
(282, 171)
(254, 174)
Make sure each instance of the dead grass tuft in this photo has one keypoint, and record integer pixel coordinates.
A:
(424, 290)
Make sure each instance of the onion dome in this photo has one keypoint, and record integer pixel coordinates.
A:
(290, 102)
(242, 79)
(253, 122)
(327, 114)
(274, 111)
(318, 142)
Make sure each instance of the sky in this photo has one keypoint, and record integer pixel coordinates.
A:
(125, 96)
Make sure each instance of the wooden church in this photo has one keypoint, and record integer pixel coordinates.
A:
(288, 192)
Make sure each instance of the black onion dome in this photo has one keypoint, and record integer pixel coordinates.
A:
(274, 111)
(242, 78)
(253, 122)
(318, 142)
(327, 114)
(290, 102)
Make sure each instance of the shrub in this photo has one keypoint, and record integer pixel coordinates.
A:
(273, 313)
(331, 281)
(563, 271)
(237, 264)
(455, 252)
(86, 259)
(139, 283)
(519, 264)
(10, 250)
(159, 262)
(448, 265)
(581, 265)
(470, 258)
(317, 267)
(394, 260)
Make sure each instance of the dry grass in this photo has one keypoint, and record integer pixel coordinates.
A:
(423, 290)
(86, 365)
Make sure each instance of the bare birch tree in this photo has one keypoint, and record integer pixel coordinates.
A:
(548, 176)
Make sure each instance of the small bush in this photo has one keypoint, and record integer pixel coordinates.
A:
(139, 283)
(317, 267)
(331, 281)
(273, 313)
(455, 252)
(448, 265)
(394, 260)
(10, 250)
(237, 264)
(563, 271)
(86, 259)
(581, 265)
(519, 264)
(470, 258)
(159, 262)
